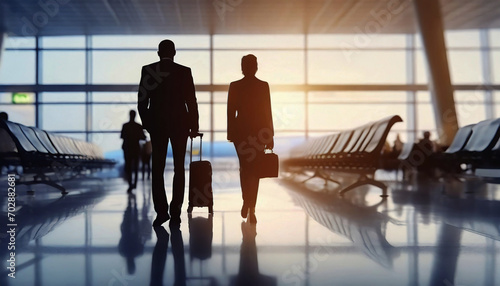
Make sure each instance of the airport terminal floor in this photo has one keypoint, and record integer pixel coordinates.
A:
(427, 232)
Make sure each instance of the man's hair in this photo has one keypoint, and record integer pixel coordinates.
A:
(249, 65)
(166, 48)
(132, 114)
(4, 115)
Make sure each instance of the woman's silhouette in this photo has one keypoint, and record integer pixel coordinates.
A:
(249, 274)
(250, 128)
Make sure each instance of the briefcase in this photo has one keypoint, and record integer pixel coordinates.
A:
(200, 181)
(267, 164)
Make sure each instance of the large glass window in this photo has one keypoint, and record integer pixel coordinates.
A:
(20, 42)
(118, 97)
(111, 117)
(119, 67)
(287, 68)
(63, 67)
(67, 42)
(425, 113)
(313, 80)
(17, 67)
(343, 115)
(149, 41)
(220, 117)
(199, 62)
(470, 107)
(258, 41)
(360, 97)
(353, 42)
(496, 96)
(495, 63)
(59, 97)
(288, 111)
(23, 113)
(420, 67)
(465, 67)
(63, 117)
(205, 113)
(107, 141)
(494, 36)
(462, 39)
(357, 67)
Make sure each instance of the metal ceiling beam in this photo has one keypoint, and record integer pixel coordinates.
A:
(77, 17)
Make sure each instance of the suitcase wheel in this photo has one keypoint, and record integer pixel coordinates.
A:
(210, 210)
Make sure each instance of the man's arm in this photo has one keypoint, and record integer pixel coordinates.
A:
(143, 101)
(192, 105)
(122, 133)
(231, 113)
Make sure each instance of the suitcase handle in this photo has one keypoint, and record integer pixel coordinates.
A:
(201, 147)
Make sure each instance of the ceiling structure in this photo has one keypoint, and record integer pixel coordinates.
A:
(82, 17)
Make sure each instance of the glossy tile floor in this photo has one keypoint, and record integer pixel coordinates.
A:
(425, 233)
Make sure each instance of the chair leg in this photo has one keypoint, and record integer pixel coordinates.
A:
(316, 174)
(321, 175)
(365, 181)
(327, 178)
(49, 183)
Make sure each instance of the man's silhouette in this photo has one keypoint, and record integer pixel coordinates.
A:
(159, 256)
(131, 134)
(4, 116)
(131, 244)
(169, 111)
(426, 144)
(427, 147)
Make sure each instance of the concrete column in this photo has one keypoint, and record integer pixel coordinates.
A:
(430, 23)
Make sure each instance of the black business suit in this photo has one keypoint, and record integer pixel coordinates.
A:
(169, 111)
(250, 128)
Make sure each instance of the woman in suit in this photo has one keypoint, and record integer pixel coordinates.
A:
(250, 128)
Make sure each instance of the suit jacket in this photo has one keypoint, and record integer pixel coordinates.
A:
(167, 100)
(132, 133)
(249, 110)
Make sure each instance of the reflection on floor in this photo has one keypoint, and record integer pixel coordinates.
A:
(426, 233)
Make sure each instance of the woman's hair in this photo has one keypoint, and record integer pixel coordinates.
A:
(249, 65)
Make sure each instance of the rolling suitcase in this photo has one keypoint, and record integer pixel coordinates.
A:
(200, 181)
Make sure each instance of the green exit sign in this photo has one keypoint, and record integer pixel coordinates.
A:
(22, 98)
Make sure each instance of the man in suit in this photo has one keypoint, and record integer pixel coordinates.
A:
(131, 134)
(169, 111)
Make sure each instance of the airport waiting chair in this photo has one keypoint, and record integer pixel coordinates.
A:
(356, 151)
(44, 157)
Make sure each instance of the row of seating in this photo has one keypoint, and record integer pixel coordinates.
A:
(477, 146)
(39, 152)
(355, 151)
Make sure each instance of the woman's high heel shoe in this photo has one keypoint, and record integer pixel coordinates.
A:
(251, 215)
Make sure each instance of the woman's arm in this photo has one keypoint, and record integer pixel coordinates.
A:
(269, 116)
